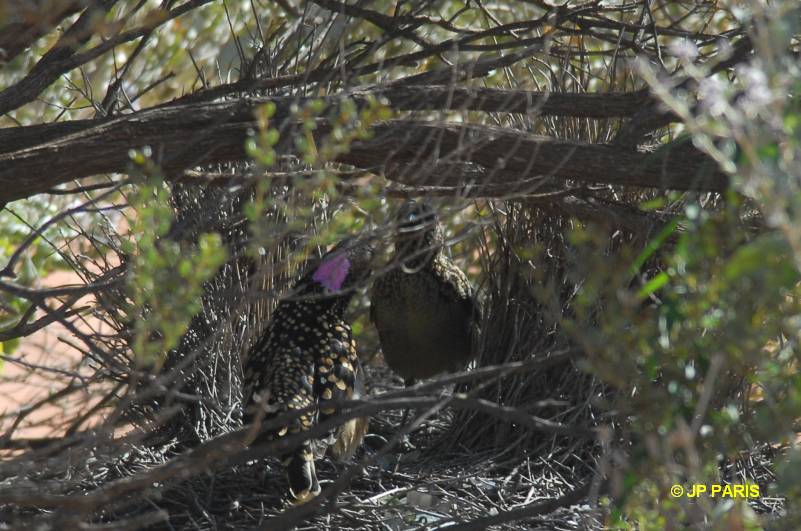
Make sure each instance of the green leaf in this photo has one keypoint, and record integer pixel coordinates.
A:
(656, 283)
(653, 245)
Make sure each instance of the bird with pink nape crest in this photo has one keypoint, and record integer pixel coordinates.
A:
(306, 356)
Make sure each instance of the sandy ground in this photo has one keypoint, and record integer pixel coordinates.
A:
(43, 364)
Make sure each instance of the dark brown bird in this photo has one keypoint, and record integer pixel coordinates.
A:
(424, 308)
(306, 356)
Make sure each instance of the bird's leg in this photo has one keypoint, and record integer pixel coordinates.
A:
(406, 443)
(303, 484)
(299, 463)
(405, 418)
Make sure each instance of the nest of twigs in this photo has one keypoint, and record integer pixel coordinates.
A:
(472, 461)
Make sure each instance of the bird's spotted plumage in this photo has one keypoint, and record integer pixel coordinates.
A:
(424, 307)
(307, 356)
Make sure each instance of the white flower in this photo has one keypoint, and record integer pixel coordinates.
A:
(684, 49)
(713, 97)
(752, 75)
(758, 94)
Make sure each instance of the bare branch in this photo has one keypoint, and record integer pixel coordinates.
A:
(64, 57)
(529, 511)
(188, 135)
(27, 21)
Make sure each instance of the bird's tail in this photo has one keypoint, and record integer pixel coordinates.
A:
(350, 435)
(349, 438)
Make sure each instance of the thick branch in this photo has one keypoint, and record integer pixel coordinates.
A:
(402, 98)
(580, 105)
(409, 152)
(412, 153)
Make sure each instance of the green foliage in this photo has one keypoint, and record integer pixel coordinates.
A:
(703, 348)
(707, 367)
(347, 124)
(260, 147)
(314, 184)
(165, 277)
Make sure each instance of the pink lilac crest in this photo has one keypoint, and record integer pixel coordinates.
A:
(332, 272)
